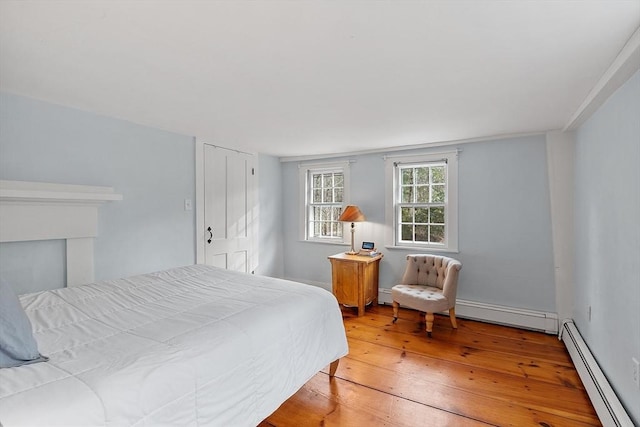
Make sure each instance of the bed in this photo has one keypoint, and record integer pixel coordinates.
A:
(195, 345)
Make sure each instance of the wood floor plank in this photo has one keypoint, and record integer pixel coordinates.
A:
(474, 356)
(448, 371)
(473, 326)
(343, 403)
(477, 375)
(542, 347)
(491, 400)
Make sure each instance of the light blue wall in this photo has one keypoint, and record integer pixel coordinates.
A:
(31, 267)
(504, 226)
(607, 238)
(153, 170)
(270, 260)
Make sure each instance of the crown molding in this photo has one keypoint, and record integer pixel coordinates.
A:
(621, 69)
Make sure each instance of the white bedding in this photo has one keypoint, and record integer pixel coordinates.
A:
(194, 345)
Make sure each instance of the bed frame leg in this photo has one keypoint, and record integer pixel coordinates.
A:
(333, 367)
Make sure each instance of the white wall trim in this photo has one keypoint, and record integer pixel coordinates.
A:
(425, 145)
(492, 313)
(45, 211)
(621, 69)
(200, 235)
(610, 410)
(560, 168)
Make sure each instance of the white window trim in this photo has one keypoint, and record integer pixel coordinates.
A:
(303, 173)
(391, 188)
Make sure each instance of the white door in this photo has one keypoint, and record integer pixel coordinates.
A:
(228, 208)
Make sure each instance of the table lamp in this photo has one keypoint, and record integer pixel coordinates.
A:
(352, 214)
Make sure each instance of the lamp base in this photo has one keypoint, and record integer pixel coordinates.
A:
(351, 253)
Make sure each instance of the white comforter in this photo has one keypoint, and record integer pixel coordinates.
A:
(195, 345)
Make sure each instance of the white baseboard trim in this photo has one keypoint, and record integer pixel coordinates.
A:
(604, 399)
(491, 313)
(510, 316)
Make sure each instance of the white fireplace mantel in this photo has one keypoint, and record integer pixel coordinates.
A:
(45, 211)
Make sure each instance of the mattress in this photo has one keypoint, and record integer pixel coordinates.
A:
(195, 345)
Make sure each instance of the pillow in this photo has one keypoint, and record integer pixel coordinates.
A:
(17, 344)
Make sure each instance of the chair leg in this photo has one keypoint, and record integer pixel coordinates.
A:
(395, 311)
(429, 319)
(452, 316)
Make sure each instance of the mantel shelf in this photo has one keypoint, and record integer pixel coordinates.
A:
(24, 192)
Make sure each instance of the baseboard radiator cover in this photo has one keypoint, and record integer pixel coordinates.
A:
(604, 400)
(510, 316)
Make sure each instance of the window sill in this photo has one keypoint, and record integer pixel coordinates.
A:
(419, 249)
(326, 242)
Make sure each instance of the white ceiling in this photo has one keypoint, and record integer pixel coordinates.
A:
(291, 78)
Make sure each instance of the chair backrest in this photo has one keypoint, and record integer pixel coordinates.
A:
(432, 270)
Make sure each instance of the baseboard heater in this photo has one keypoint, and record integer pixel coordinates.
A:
(604, 400)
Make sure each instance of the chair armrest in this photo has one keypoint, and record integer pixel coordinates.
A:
(450, 285)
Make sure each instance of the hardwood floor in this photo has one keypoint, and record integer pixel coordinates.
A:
(477, 375)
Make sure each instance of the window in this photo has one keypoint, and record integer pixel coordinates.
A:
(422, 204)
(325, 193)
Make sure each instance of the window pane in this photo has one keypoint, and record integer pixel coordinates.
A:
(422, 215)
(327, 180)
(327, 195)
(337, 195)
(437, 174)
(407, 232)
(437, 215)
(407, 194)
(317, 181)
(336, 213)
(407, 176)
(407, 214)
(422, 175)
(325, 214)
(338, 180)
(316, 213)
(422, 194)
(316, 229)
(437, 193)
(422, 233)
(437, 234)
(317, 196)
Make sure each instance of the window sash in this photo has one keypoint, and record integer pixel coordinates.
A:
(324, 191)
(424, 189)
(421, 203)
(323, 221)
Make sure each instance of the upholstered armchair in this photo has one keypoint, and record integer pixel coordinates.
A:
(429, 284)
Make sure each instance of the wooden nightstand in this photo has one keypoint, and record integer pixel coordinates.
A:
(355, 279)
